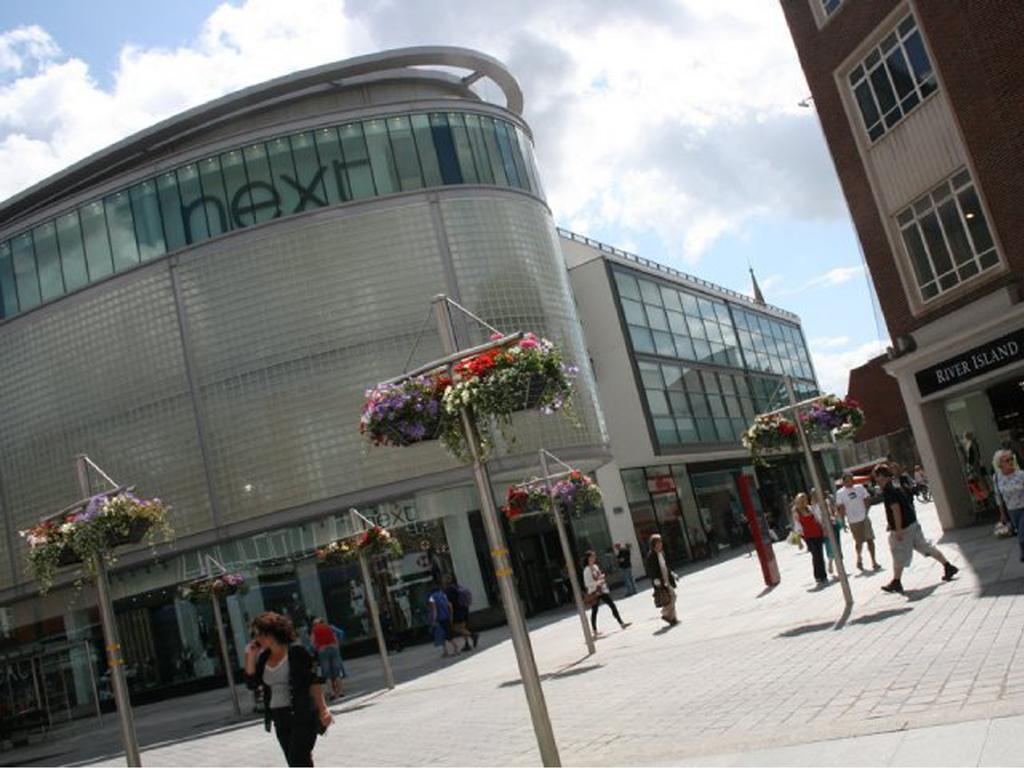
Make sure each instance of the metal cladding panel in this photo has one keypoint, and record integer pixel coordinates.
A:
(286, 333)
(101, 374)
(510, 273)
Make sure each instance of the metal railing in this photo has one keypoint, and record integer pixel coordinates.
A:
(697, 282)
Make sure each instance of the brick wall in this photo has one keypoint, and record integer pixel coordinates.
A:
(975, 46)
(880, 398)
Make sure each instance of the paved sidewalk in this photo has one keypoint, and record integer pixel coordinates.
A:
(749, 674)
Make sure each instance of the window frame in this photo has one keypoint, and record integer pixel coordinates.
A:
(881, 65)
(910, 218)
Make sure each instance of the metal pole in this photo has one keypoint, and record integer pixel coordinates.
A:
(115, 662)
(823, 499)
(570, 565)
(371, 601)
(502, 563)
(218, 618)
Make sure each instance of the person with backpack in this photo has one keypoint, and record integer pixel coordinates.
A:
(284, 672)
(460, 599)
(441, 620)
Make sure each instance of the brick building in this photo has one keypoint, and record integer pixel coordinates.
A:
(922, 106)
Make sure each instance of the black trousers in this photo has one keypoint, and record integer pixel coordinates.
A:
(817, 547)
(607, 600)
(295, 735)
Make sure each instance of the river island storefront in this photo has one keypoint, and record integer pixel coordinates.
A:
(200, 308)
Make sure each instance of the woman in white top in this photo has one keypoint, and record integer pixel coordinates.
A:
(596, 585)
(1009, 482)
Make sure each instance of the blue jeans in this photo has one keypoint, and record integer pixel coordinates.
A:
(629, 581)
(1017, 516)
(330, 662)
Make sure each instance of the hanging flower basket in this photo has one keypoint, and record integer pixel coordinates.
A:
(406, 413)
(213, 588)
(832, 416)
(529, 374)
(772, 432)
(577, 494)
(338, 552)
(106, 522)
(373, 542)
(520, 502)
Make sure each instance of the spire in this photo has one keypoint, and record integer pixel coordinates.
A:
(758, 296)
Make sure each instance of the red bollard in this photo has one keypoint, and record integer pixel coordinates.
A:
(769, 567)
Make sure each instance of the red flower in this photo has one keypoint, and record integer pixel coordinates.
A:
(786, 428)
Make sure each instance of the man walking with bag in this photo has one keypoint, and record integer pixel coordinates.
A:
(664, 581)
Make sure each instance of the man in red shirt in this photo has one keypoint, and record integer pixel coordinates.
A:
(328, 652)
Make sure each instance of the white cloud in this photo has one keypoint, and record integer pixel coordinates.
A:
(672, 118)
(830, 342)
(833, 364)
(834, 277)
(23, 46)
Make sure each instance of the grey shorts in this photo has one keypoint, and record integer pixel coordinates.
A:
(913, 540)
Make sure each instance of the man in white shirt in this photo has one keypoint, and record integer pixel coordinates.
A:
(852, 502)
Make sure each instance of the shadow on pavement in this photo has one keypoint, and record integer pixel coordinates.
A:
(568, 671)
(991, 559)
(766, 591)
(888, 613)
(913, 595)
(807, 629)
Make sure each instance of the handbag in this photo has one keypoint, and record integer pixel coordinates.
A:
(662, 597)
(591, 598)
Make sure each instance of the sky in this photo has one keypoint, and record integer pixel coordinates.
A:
(669, 128)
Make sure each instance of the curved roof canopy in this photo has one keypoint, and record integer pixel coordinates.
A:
(337, 74)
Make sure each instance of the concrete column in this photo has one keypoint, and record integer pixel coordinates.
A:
(242, 609)
(76, 624)
(939, 456)
(464, 559)
(309, 589)
(616, 512)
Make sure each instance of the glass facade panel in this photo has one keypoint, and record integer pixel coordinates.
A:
(121, 227)
(407, 162)
(479, 148)
(51, 281)
(149, 233)
(287, 175)
(464, 150)
(426, 150)
(328, 149)
(8, 290)
(72, 251)
(170, 212)
(26, 277)
(214, 196)
(309, 173)
(282, 175)
(261, 200)
(357, 161)
(97, 243)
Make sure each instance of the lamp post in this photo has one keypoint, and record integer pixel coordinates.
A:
(371, 602)
(218, 619)
(563, 539)
(115, 659)
(500, 556)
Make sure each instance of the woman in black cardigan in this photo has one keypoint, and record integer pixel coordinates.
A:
(663, 579)
(284, 672)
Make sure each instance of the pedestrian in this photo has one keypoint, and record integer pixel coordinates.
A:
(460, 599)
(597, 590)
(838, 526)
(328, 653)
(624, 557)
(852, 503)
(283, 670)
(441, 620)
(1009, 482)
(807, 521)
(663, 579)
(905, 534)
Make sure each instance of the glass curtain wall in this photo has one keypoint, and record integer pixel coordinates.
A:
(250, 185)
